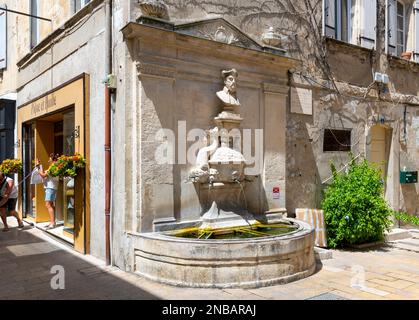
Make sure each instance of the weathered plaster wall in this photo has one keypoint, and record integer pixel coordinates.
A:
(349, 65)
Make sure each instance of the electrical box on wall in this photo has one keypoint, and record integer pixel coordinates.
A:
(381, 78)
(408, 177)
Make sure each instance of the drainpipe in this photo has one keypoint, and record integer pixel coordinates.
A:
(108, 68)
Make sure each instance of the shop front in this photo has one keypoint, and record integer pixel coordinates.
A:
(57, 122)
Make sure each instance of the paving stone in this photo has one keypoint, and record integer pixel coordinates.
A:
(397, 284)
(26, 259)
(327, 296)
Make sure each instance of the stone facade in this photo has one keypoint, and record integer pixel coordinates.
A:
(168, 72)
(66, 48)
(334, 78)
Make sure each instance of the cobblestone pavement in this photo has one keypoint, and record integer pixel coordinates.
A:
(27, 256)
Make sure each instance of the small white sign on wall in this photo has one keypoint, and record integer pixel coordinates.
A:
(302, 101)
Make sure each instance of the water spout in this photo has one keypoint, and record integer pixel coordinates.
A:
(236, 180)
(210, 186)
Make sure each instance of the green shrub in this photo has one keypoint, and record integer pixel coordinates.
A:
(407, 218)
(355, 210)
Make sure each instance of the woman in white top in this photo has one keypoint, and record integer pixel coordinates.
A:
(50, 186)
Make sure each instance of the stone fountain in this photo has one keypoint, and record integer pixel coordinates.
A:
(183, 257)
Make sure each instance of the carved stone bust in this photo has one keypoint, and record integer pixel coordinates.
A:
(228, 94)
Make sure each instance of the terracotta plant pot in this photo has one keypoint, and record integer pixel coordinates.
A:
(406, 55)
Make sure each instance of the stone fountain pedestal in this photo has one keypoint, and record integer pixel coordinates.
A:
(228, 207)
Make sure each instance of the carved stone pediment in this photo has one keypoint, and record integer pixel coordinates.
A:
(218, 30)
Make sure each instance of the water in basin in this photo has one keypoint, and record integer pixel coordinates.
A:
(254, 231)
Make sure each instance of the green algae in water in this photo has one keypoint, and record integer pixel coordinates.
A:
(255, 231)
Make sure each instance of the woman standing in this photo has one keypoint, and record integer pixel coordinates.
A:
(50, 186)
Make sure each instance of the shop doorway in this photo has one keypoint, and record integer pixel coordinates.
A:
(58, 122)
(56, 134)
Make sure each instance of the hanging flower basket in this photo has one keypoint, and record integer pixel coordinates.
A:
(11, 166)
(67, 166)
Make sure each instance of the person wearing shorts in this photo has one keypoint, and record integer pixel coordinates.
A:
(8, 199)
(50, 187)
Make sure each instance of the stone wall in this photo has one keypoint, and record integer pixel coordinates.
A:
(351, 67)
(338, 75)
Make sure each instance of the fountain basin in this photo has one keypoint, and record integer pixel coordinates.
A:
(226, 263)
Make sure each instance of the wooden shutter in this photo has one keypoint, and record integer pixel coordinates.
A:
(7, 124)
(330, 18)
(416, 16)
(3, 38)
(392, 26)
(368, 23)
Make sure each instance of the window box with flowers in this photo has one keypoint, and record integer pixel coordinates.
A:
(11, 166)
(67, 166)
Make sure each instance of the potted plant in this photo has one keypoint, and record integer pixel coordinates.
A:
(67, 166)
(11, 166)
(407, 55)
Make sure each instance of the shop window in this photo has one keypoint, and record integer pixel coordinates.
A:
(337, 140)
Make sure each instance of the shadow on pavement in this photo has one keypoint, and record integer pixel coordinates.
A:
(25, 272)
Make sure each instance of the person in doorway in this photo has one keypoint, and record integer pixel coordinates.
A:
(50, 187)
(8, 199)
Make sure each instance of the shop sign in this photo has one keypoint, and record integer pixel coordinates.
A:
(41, 106)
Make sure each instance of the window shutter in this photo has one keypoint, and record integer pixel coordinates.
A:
(368, 23)
(330, 18)
(416, 12)
(392, 27)
(3, 38)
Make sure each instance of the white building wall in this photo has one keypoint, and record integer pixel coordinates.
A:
(80, 52)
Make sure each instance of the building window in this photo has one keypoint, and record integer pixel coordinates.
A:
(400, 28)
(3, 41)
(396, 27)
(78, 4)
(337, 140)
(34, 23)
(338, 19)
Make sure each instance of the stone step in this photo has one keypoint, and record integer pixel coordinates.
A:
(322, 254)
(397, 234)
